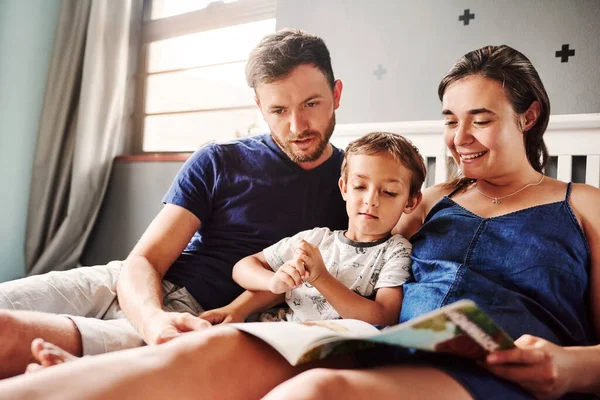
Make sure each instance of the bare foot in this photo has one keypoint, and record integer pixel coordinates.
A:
(47, 355)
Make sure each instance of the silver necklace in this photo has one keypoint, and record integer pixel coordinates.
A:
(496, 200)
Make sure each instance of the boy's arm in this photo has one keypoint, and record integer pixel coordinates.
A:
(384, 310)
(242, 307)
(253, 272)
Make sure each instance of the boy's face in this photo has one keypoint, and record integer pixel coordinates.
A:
(376, 195)
(299, 110)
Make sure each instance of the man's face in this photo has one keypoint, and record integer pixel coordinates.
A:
(300, 111)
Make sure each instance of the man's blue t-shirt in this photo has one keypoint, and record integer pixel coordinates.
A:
(248, 195)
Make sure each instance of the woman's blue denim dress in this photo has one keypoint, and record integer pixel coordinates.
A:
(528, 270)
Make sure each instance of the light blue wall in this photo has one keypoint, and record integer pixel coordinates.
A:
(26, 36)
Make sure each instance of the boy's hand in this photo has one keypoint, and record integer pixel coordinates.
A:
(222, 315)
(288, 277)
(311, 258)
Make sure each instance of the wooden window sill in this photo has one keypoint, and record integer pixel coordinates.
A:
(154, 157)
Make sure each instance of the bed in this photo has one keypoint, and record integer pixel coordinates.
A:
(573, 143)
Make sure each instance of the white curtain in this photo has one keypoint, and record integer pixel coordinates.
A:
(81, 130)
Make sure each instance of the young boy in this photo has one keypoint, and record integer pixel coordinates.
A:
(355, 273)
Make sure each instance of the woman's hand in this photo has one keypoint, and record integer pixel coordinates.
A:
(541, 367)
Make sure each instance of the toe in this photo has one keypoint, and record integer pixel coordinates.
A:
(37, 346)
(33, 367)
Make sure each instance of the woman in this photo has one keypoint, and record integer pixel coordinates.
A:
(524, 246)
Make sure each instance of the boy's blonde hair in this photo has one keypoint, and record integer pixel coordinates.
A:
(398, 146)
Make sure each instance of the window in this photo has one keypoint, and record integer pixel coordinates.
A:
(191, 85)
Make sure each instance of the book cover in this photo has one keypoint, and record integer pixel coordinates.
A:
(461, 328)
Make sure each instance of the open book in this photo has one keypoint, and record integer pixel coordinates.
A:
(460, 328)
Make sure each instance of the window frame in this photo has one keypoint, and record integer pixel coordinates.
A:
(215, 16)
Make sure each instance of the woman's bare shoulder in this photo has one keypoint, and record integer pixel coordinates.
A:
(409, 224)
(584, 192)
(585, 202)
(433, 194)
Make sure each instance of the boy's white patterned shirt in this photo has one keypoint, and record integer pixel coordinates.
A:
(361, 267)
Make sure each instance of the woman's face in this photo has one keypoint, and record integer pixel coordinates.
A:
(481, 128)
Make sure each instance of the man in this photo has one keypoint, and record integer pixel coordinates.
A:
(228, 201)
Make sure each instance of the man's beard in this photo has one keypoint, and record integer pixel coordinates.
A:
(301, 157)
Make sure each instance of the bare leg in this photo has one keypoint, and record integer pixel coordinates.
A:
(219, 362)
(392, 382)
(28, 309)
(19, 328)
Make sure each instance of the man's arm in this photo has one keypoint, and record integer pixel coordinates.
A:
(139, 286)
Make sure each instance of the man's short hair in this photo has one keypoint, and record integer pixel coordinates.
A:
(398, 146)
(279, 53)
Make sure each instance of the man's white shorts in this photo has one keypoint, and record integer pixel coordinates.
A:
(88, 297)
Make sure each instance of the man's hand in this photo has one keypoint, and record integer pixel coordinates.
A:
(289, 276)
(537, 365)
(222, 315)
(311, 259)
(165, 326)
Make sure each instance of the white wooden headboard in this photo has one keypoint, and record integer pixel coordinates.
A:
(573, 143)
